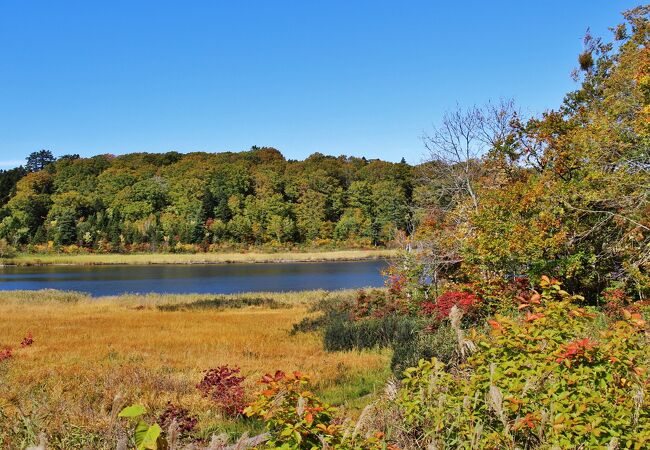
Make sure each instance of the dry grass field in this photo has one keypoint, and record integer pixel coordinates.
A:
(88, 352)
(195, 258)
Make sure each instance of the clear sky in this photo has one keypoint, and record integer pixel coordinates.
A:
(362, 78)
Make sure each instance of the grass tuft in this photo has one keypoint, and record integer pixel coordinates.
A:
(223, 302)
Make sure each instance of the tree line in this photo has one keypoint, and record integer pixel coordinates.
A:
(175, 201)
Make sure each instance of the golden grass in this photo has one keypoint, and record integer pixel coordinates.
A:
(87, 351)
(197, 258)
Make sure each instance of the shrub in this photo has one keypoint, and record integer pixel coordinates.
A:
(223, 386)
(549, 377)
(319, 322)
(466, 301)
(376, 303)
(343, 334)
(296, 419)
(184, 420)
(6, 250)
(379, 320)
(331, 308)
(439, 343)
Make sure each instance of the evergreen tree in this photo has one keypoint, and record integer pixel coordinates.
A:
(39, 160)
(66, 230)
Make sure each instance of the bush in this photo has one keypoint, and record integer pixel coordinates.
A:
(223, 386)
(441, 307)
(296, 419)
(331, 308)
(343, 334)
(376, 303)
(439, 343)
(6, 250)
(184, 420)
(380, 319)
(550, 377)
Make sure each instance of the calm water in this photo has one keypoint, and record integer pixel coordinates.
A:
(217, 279)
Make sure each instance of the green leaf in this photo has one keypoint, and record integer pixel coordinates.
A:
(132, 411)
(147, 436)
(141, 430)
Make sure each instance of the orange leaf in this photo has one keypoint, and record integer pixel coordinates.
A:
(495, 325)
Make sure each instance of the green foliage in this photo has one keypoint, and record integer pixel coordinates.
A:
(66, 230)
(296, 419)
(203, 201)
(8, 180)
(145, 436)
(411, 337)
(344, 334)
(439, 343)
(6, 250)
(388, 318)
(328, 309)
(549, 378)
(565, 194)
(132, 411)
(39, 160)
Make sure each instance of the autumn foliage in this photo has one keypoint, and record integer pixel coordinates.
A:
(223, 386)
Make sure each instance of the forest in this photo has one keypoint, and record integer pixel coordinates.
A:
(202, 201)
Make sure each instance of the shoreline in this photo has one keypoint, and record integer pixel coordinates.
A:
(95, 259)
(46, 297)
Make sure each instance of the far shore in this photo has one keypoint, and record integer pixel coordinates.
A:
(27, 259)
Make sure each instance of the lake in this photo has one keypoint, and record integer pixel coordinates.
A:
(185, 279)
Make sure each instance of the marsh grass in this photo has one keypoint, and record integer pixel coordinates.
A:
(223, 302)
(88, 352)
(26, 259)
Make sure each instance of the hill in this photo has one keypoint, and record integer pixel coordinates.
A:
(202, 201)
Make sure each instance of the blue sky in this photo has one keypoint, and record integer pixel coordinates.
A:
(362, 78)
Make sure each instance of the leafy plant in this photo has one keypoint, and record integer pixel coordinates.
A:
(344, 334)
(296, 419)
(184, 421)
(441, 307)
(439, 342)
(145, 436)
(223, 385)
(548, 377)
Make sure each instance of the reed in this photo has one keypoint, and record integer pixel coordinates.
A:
(88, 352)
(26, 259)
